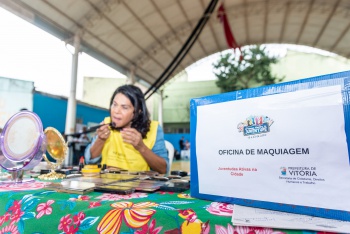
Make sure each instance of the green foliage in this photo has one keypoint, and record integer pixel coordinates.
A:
(251, 69)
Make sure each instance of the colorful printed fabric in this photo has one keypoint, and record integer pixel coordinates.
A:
(44, 211)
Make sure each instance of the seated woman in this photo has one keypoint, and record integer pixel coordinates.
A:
(129, 140)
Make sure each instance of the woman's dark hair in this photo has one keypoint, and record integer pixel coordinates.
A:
(141, 121)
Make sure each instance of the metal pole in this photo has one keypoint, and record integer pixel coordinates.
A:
(160, 109)
(131, 76)
(72, 102)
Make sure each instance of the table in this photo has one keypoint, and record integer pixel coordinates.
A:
(28, 208)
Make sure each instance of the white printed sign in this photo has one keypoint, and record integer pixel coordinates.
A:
(285, 148)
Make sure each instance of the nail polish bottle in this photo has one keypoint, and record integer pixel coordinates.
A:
(81, 163)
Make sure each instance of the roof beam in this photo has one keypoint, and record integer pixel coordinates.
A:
(124, 34)
(170, 27)
(326, 24)
(147, 29)
(93, 52)
(306, 18)
(283, 26)
(246, 20)
(266, 19)
(341, 36)
(212, 29)
(189, 23)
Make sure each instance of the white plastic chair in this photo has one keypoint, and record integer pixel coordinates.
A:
(171, 150)
(185, 154)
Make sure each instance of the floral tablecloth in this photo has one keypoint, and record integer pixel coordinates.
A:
(29, 209)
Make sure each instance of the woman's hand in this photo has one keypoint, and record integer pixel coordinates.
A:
(133, 137)
(103, 132)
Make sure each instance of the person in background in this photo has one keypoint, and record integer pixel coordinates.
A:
(187, 145)
(129, 140)
(84, 137)
(182, 143)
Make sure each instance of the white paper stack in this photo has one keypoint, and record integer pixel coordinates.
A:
(249, 216)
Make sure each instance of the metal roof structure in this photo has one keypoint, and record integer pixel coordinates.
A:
(141, 37)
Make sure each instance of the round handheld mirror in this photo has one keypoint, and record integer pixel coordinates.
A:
(57, 149)
(22, 143)
(55, 144)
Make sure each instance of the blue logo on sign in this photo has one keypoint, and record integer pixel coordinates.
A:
(283, 171)
(255, 125)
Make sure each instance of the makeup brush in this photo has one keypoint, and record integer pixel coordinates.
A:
(94, 128)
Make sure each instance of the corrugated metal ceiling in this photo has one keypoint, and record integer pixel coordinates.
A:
(143, 36)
